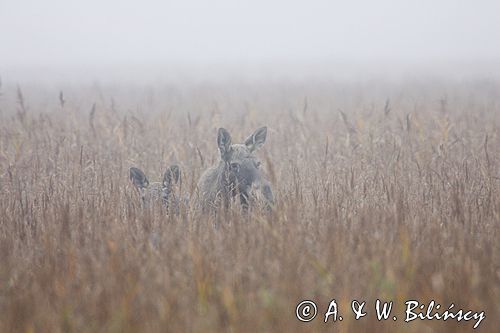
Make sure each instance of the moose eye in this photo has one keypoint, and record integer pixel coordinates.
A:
(235, 166)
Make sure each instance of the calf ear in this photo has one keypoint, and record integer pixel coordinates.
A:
(224, 143)
(173, 174)
(257, 139)
(138, 178)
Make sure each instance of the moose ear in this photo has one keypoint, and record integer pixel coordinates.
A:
(224, 143)
(257, 139)
(138, 178)
(172, 174)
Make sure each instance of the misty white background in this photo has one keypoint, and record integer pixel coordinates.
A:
(92, 36)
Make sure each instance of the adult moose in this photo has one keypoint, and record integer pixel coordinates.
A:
(238, 174)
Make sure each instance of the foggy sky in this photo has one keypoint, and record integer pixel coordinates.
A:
(55, 33)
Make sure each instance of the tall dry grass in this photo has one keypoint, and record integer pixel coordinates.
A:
(384, 191)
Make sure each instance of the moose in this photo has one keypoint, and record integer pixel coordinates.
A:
(238, 173)
(237, 176)
(157, 191)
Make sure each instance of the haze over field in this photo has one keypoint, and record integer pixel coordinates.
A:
(96, 39)
(373, 170)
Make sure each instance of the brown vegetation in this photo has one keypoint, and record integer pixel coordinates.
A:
(394, 199)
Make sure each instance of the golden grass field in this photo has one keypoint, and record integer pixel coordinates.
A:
(384, 190)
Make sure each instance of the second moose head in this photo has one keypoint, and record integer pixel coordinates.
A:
(156, 191)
